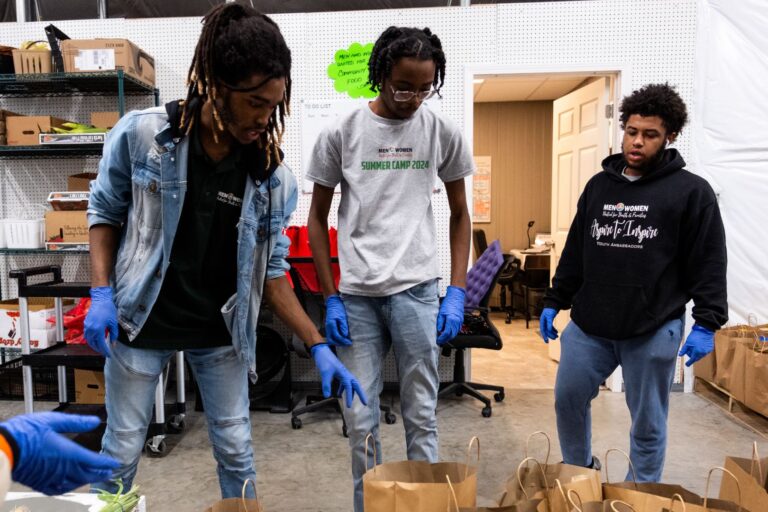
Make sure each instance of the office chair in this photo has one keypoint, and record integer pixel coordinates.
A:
(317, 402)
(531, 282)
(477, 330)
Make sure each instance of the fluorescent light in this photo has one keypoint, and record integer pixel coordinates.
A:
(478, 80)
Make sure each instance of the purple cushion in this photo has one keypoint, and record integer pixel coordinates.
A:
(480, 276)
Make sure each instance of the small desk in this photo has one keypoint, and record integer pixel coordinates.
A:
(530, 259)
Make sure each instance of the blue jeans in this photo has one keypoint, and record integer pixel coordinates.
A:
(648, 367)
(131, 376)
(407, 322)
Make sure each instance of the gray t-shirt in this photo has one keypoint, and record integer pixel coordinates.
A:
(387, 170)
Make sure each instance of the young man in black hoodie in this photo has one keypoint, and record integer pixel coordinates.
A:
(647, 238)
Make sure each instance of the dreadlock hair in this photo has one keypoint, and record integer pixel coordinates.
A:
(236, 43)
(656, 100)
(398, 42)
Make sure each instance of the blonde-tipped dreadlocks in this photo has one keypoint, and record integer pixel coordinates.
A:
(236, 43)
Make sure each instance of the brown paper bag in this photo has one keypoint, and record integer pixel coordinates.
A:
(543, 480)
(643, 497)
(751, 480)
(241, 504)
(756, 375)
(705, 368)
(418, 486)
(678, 504)
(523, 506)
(576, 505)
(729, 361)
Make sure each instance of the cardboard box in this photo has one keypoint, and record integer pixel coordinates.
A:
(106, 120)
(68, 227)
(63, 139)
(89, 387)
(84, 55)
(26, 130)
(69, 201)
(42, 332)
(32, 62)
(3, 115)
(80, 182)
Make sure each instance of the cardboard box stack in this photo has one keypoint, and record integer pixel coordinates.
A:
(42, 332)
(66, 227)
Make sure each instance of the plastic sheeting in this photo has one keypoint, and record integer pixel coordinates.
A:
(730, 137)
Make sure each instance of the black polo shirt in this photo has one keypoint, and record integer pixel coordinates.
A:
(202, 273)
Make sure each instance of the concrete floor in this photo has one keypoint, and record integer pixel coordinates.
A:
(307, 470)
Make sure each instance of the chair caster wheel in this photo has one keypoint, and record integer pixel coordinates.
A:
(295, 423)
(156, 449)
(487, 411)
(499, 397)
(390, 418)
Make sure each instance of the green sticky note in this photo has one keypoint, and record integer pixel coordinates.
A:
(349, 71)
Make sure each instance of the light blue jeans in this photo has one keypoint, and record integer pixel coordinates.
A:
(648, 368)
(131, 376)
(407, 322)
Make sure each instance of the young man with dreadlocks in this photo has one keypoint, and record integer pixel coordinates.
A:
(186, 220)
(386, 156)
(647, 238)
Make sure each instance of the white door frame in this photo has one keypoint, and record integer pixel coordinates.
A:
(623, 88)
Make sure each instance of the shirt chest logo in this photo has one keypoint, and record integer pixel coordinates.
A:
(229, 198)
(394, 158)
(623, 226)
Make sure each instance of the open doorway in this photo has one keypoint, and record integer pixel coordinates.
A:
(541, 135)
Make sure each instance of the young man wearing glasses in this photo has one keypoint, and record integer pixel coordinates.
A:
(386, 157)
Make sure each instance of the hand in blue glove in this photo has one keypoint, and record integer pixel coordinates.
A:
(699, 343)
(336, 326)
(451, 315)
(331, 368)
(47, 461)
(101, 317)
(547, 324)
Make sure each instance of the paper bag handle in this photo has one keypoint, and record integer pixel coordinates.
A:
(756, 463)
(543, 474)
(676, 497)
(562, 492)
(375, 455)
(726, 472)
(631, 466)
(549, 444)
(615, 502)
(242, 495)
(573, 494)
(472, 441)
(452, 494)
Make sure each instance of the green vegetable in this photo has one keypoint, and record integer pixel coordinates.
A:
(120, 502)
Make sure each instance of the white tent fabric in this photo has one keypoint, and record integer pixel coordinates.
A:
(730, 137)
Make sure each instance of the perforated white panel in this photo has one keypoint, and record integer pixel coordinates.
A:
(654, 38)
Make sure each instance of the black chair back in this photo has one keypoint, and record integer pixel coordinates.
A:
(479, 242)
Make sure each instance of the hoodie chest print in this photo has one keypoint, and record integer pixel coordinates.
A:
(623, 226)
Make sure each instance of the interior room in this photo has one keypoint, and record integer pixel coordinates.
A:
(234, 236)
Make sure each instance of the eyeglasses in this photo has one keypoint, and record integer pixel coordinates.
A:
(408, 95)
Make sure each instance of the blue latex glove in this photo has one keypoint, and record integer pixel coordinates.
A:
(50, 463)
(331, 368)
(101, 317)
(547, 324)
(451, 315)
(336, 326)
(699, 343)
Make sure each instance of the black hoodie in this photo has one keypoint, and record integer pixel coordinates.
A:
(637, 252)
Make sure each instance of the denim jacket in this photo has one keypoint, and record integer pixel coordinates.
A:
(140, 188)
